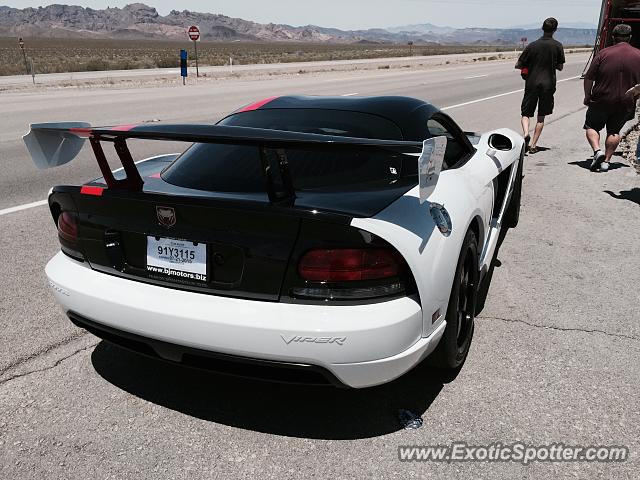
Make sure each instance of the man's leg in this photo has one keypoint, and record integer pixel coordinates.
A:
(611, 145)
(537, 131)
(545, 107)
(595, 121)
(528, 109)
(593, 137)
(525, 126)
(614, 125)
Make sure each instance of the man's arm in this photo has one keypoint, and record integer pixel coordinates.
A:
(634, 91)
(561, 59)
(590, 78)
(588, 87)
(523, 60)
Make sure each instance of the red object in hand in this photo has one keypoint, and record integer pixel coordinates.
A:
(524, 72)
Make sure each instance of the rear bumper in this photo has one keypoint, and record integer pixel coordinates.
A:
(359, 346)
(254, 368)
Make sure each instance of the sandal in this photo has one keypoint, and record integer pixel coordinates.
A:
(533, 150)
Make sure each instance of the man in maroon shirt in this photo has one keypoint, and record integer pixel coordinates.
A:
(612, 73)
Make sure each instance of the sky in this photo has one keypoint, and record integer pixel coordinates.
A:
(362, 14)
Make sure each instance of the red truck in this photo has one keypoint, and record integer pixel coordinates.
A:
(613, 13)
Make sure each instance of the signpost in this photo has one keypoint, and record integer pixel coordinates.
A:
(26, 65)
(524, 42)
(183, 65)
(194, 36)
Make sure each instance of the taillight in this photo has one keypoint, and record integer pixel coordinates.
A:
(350, 274)
(68, 227)
(68, 234)
(348, 265)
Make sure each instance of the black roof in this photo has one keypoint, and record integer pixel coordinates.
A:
(410, 114)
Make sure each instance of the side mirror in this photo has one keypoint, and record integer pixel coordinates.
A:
(430, 165)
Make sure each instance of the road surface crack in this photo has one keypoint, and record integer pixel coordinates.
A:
(49, 367)
(561, 329)
(41, 352)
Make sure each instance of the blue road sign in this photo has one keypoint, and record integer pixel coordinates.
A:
(183, 63)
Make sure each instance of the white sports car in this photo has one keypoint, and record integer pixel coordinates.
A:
(304, 239)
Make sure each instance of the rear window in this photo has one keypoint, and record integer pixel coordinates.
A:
(229, 168)
(323, 122)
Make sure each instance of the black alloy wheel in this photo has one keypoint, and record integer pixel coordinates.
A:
(454, 345)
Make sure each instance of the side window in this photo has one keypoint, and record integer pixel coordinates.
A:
(436, 129)
(456, 149)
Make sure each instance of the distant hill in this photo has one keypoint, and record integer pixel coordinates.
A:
(578, 25)
(569, 36)
(142, 21)
(421, 29)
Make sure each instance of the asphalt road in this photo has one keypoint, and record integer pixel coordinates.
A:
(554, 357)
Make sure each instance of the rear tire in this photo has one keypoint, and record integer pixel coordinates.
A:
(512, 215)
(454, 345)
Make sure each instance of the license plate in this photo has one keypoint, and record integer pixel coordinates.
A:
(179, 259)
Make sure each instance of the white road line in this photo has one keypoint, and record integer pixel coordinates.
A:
(475, 76)
(471, 102)
(22, 207)
(44, 202)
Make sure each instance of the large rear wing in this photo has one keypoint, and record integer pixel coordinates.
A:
(54, 144)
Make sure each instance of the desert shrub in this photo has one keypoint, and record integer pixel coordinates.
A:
(96, 64)
(167, 62)
(52, 55)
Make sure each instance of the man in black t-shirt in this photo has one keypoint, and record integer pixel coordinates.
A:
(539, 62)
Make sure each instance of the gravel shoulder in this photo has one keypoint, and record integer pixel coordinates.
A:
(210, 75)
(630, 143)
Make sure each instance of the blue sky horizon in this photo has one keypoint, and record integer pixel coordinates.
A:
(364, 14)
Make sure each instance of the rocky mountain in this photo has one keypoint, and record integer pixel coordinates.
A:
(142, 21)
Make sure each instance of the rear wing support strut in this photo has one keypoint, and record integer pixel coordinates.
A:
(280, 190)
(133, 181)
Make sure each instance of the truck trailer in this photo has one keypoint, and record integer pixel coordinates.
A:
(615, 12)
(612, 13)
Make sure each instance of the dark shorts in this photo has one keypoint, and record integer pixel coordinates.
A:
(599, 117)
(540, 98)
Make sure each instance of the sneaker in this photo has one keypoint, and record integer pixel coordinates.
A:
(604, 167)
(598, 157)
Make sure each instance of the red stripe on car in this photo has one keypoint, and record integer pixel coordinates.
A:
(89, 190)
(155, 175)
(257, 105)
(81, 132)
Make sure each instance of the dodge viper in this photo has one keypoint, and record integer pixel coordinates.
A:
(337, 240)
